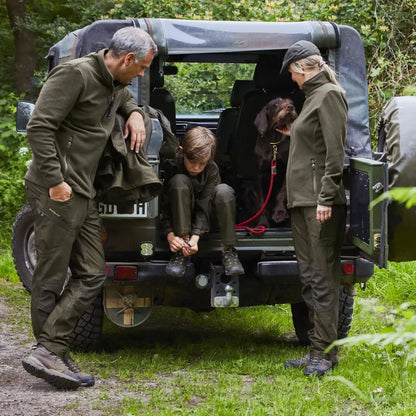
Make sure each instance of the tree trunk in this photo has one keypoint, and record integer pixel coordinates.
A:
(24, 45)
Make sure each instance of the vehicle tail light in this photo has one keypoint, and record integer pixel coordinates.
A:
(125, 273)
(348, 268)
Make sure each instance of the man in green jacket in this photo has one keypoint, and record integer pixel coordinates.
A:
(71, 123)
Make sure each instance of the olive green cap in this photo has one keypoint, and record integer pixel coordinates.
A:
(299, 50)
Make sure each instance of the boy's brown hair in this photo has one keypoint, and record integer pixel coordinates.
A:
(199, 144)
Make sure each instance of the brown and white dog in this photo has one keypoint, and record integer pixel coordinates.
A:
(277, 114)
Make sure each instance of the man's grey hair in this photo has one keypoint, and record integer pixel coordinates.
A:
(132, 39)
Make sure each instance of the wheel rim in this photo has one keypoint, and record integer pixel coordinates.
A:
(29, 250)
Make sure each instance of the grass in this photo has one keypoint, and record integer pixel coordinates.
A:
(231, 362)
(396, 284)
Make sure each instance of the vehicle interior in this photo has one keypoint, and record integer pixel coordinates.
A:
(241, 85)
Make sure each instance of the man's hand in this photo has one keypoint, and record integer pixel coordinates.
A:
(61, 192)
(323, 213)
(135, 126)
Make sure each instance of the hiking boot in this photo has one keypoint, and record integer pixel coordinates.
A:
(177, 264)
(319, 366)
(298, 362)
(44, 364)
(87, 380)
(231, 262)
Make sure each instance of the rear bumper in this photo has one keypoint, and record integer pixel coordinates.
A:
(152, 273)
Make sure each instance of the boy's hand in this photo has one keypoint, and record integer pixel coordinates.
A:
(176, 243)
(191, 246)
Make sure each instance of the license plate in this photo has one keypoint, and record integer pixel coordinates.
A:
(137, 210)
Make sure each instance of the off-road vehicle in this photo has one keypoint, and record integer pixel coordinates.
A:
(219, 74)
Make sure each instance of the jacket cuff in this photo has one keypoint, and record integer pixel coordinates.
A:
(136, 110)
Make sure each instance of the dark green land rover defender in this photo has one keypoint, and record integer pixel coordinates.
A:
(219, 74)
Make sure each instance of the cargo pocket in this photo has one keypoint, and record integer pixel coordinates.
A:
(53, 226)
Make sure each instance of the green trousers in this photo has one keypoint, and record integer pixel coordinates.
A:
(317, 248)
(68, 236)
(220, 211)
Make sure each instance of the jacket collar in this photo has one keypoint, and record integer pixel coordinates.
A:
(107, 77)
(315, 82)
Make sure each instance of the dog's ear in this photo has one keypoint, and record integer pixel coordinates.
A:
(261, 121)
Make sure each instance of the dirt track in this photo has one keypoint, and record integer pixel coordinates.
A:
(24, 395)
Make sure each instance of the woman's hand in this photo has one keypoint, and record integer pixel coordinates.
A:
(323, 213)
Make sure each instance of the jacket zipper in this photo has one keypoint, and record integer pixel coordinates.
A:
(68, 148)
(111, 106)
(313, 165)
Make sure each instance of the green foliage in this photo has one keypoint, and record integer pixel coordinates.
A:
(410, 90)
(404, 195)
(7, 269)
(49, 20)
(14, 154)
(401, 335)
(396, 336)
(205, 87)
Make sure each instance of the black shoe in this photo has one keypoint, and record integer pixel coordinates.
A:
(319, 366)
(87, 380)
(231, 262)
(298, 362)
(44, 364)
(177, 264)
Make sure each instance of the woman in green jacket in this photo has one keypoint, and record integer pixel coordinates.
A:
(316, 198)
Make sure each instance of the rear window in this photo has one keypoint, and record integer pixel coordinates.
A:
(200, 88)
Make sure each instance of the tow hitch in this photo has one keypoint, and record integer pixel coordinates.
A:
(224, 289)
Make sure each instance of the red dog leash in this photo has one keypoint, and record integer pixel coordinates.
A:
(261, 228)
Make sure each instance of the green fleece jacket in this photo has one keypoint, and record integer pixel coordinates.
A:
(317, 141)
(72, 121)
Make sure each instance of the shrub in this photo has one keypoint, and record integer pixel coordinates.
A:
(14, 155)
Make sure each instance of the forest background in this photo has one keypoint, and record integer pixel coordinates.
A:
(29, 27)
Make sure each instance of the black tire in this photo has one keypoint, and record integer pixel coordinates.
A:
(345, 312)
(87, 333)
(302, 324)
(23, 245)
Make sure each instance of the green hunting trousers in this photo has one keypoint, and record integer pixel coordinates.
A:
(317, 248)
(68, 236)
(220, 211)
